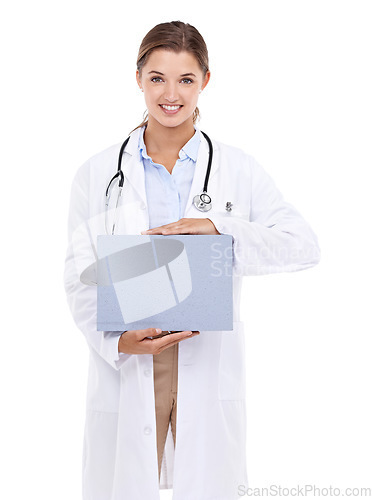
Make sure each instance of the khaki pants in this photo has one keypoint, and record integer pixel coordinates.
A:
(165, 385)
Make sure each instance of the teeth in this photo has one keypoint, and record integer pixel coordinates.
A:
(170, 108)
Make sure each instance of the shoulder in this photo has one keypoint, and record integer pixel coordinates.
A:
(229, 150)
(107, 158)
(104, 156)
(234, 157)
(239, 166)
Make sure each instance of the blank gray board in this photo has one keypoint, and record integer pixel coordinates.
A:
(177, 282)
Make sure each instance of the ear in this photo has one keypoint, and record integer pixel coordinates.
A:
(138, 79)
(206, 79)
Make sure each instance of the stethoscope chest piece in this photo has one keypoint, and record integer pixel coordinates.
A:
(203, 202)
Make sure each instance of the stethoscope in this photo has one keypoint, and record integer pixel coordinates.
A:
(202, 201)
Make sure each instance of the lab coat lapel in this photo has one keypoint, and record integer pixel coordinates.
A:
(132, 166)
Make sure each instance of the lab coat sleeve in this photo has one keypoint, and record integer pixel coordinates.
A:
(82, 298)
(269, 235)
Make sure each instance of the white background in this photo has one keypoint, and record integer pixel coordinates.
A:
(291, 85)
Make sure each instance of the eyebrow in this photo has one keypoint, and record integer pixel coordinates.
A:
(162, 74)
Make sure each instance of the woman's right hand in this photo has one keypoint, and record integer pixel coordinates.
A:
(137, 341)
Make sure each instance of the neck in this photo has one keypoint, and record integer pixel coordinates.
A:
(171, 139)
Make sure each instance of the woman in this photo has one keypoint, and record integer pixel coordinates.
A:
(172, 407)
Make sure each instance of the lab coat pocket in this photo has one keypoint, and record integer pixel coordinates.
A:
(231, 373)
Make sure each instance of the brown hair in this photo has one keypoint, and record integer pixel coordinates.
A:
(176, 36)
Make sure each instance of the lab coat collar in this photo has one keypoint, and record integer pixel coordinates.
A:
(190, 149)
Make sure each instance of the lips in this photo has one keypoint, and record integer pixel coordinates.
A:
(170, 109)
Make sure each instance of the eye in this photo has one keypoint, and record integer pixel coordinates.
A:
(187, 80)
(156, 79)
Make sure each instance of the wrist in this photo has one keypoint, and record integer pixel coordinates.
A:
(214, 229)
(120, 341)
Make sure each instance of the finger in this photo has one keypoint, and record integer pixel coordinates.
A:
(159, 228)
(148, 332)
(171, 339)
(182, 226)
(172, 226)
(176, 342)
(187, 226)
(155, 230)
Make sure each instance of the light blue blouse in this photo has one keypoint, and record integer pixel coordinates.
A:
(167, 194)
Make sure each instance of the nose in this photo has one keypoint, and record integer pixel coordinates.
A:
(171, 92)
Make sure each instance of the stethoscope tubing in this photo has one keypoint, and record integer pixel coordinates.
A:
(202, 202)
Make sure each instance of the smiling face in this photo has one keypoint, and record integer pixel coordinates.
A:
(171, 83)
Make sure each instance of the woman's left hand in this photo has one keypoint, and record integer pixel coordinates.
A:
(185, 226)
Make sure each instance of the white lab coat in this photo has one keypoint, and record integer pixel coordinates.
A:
(209, 463)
